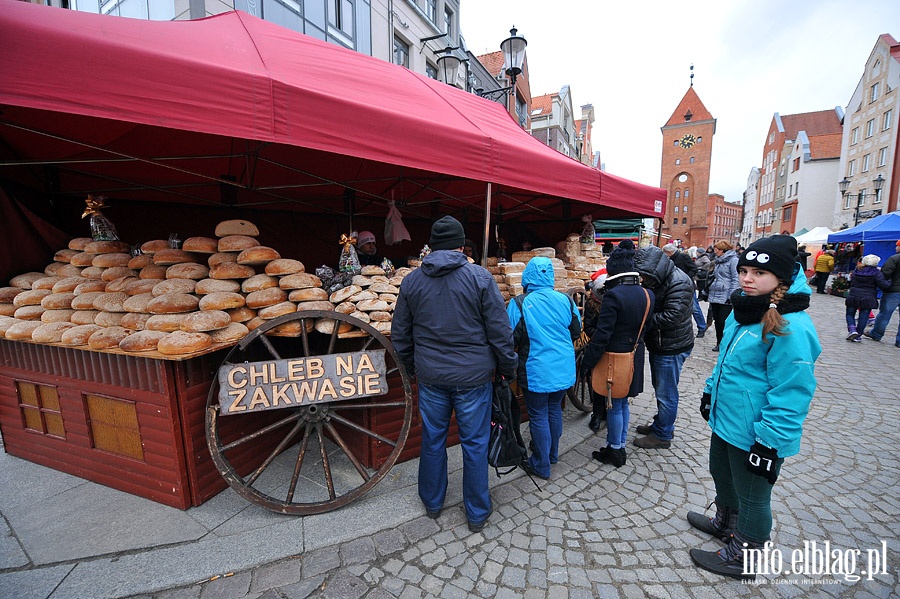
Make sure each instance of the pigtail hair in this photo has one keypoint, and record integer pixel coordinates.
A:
(772, 321)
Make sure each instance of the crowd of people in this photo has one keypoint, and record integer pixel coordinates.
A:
(453, 334)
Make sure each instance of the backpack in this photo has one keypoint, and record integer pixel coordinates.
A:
(506, 448)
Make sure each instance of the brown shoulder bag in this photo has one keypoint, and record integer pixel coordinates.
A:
(612, 375)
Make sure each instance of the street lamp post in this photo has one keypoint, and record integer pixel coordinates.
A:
(513, 49)
(844, 186)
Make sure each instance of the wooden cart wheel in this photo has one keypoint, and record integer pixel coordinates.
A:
(310, 458)
(580, 393)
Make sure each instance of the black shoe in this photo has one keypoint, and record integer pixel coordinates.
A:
(869, 335)
(716, 347)
(530, 471)
(608, 455)
(644, 429)
(728, 561)
(701, 333)
(433, 514)
(594, 424)
(651, 441)
(473, 527)
(708, 525)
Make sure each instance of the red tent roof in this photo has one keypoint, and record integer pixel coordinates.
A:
(178, 110)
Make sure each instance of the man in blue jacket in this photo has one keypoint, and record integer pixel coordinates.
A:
(545, 323)
(451, 332)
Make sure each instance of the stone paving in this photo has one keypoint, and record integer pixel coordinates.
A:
(596, 531)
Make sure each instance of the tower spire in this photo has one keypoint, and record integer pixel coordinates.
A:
(692, 75)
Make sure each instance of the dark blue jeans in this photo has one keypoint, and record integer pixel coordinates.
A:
(545, 424)
(664, 374)
(472, 406)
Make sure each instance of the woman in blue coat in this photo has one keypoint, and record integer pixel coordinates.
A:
(757, 399)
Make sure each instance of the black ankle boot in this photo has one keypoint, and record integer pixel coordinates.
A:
(594, 424)
(728, 561)
(608, 455)
(720, 526)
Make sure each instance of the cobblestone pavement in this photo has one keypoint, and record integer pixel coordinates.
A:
(594, 531)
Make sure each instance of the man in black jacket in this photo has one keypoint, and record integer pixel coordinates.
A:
(683, 261)
(669, 340)
(451, 331)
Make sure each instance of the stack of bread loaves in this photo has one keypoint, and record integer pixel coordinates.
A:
(370, 297)
(175, 301)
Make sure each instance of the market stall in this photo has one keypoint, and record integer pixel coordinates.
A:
(183, 125)
(878, 235)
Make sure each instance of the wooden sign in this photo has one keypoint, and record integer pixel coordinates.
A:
(276, 384)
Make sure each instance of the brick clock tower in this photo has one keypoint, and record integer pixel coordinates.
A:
(686, 154)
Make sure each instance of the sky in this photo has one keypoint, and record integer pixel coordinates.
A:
(631, 59)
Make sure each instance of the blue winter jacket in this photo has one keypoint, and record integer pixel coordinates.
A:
(762, 391)
(544, 336)
(449, 325)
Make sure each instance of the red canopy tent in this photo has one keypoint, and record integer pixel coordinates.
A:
(235, 112)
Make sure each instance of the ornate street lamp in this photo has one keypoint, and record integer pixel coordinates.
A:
(844, 186)
(513, 49)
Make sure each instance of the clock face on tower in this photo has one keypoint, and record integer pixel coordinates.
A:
(687, 140)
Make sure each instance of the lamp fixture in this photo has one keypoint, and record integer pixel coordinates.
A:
(877, 183)
(513, 49)
(448, 65)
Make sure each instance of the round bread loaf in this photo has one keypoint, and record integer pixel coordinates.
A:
(266, 297)
(5, 323)
(231, 270)
(141, 341)
(371, 305)
(382, 327)
(61, 315)
(164, 322)
(395, 281)
(234, 331)
(364, 295)
(93, 273)
(153, 272)
(254, 323)
(85, 301)
(284, 266)
(110, 260)
(316, 305)
(387, 297)
(138, 303)
(117, 272)
(402, 271)
(79, 334)
(258, 283)
(214, 285)
(242, 314)
(120, 284)
(135, 321)
(82, 259)
(58, 301)
(361, 316)
(7, 310)
(51, 332)
(109, 319)
(202, 245)
(140, 261)
(67, 284)
(55, 268)
(170, 256)
(345, 308)
(183, 342)
(8, 293)
(236, 243)
(257, 256)
(380, 316)
(292, 328)
(155, 245)
(174, 286)
(32, 297)
(29, 312)
(90, 286)
(383, 288)
(236, 227)
(345, 293)
(310, 294)
(111, 301)
(300, 280)
(326, 326)
(173, 303)
(277, 310)
(139, 286)
(187, 271)
(220, 257)
(24, 281)
(205, 320)
(22, 330)
(46, 283)
(79, 243)
(372, 270)
(84, 316)
(107, 247)
(64, 255)
(222, 300)
(362, 281)
(108, 338)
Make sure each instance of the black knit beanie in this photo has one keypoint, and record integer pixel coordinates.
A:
(776, 254)
(447, 234)
(621, 259)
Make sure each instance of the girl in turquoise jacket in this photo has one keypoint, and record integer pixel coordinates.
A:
(757, 399)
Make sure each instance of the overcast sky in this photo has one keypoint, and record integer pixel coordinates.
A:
(632, 59)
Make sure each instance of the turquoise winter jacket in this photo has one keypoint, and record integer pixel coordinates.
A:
(762, 391)
(543, 338)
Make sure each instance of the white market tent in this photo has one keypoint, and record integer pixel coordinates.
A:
(816, 235)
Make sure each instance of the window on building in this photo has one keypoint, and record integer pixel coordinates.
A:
(797, 188)
(431, 70)
(340, 17)
(687, 193)
(699, 139)
(676, 143)
(678, 161)
(887, 120)
(854, 136)
(786, 214)
(684, 209)
(796, 165)
(861, 198)
(448, 22)
(851, 168)
(692, 160)
(677, 195)
(431, 10)
(676, 207)
(39, 409)
(870, 128)
(882, 156)
(865, 162)
(401, 52)
(877, 199)
(873, 92)
(847, 199)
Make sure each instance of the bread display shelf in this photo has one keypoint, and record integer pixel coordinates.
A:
(153, 355)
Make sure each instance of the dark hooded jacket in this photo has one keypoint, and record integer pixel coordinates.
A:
(450, 325)
(864, 285)
(671, 329)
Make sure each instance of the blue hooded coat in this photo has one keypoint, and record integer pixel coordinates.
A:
(543, 335)
(761, 391)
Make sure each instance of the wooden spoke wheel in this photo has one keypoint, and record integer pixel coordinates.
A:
(580, 393)
(317, 456)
